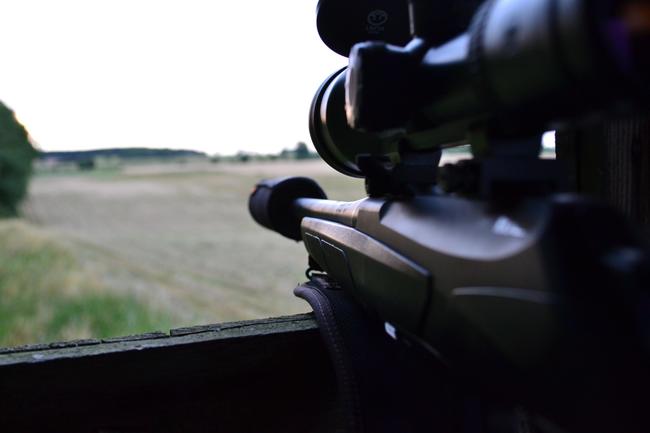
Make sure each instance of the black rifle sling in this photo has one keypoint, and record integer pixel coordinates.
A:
(384, 386)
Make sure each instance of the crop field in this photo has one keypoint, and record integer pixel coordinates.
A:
(149, 246)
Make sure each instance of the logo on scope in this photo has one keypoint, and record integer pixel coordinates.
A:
(376, 20)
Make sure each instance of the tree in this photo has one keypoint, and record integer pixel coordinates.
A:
(301, 151)
(242, 156)
(16, 156)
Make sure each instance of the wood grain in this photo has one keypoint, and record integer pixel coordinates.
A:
(268, 375)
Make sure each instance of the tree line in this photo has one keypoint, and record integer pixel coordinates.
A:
(17, 155)
(86, 159)
(300, 152)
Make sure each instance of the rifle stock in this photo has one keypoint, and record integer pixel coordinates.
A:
(487, 264)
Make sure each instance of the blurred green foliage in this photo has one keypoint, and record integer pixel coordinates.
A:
(301, 151)
(16, 155)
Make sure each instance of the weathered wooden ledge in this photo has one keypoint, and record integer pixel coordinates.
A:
(257, 376)
(175, 337)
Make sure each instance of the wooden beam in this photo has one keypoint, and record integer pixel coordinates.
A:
(259, 376)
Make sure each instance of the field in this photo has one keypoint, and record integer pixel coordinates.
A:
(148, 246)
(168, 244)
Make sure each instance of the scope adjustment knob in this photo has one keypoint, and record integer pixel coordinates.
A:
(379, 86)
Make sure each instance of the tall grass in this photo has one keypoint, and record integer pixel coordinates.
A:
(46, 296)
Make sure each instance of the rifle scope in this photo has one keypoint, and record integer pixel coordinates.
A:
(521, 67)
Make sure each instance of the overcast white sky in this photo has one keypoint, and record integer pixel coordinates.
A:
(216, 76)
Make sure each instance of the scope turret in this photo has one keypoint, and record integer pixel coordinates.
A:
(542, 58)
(522, 67)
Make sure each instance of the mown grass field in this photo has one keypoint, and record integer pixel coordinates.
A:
(150, 246)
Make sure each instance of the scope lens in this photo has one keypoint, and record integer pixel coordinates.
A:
(334, 140)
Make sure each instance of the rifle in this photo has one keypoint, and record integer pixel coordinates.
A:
(489, 265)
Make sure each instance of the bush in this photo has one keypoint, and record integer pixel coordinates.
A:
(242, 157)
(16, 155)
(86, 164)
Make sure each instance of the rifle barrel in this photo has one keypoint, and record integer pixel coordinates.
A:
(335, 211)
